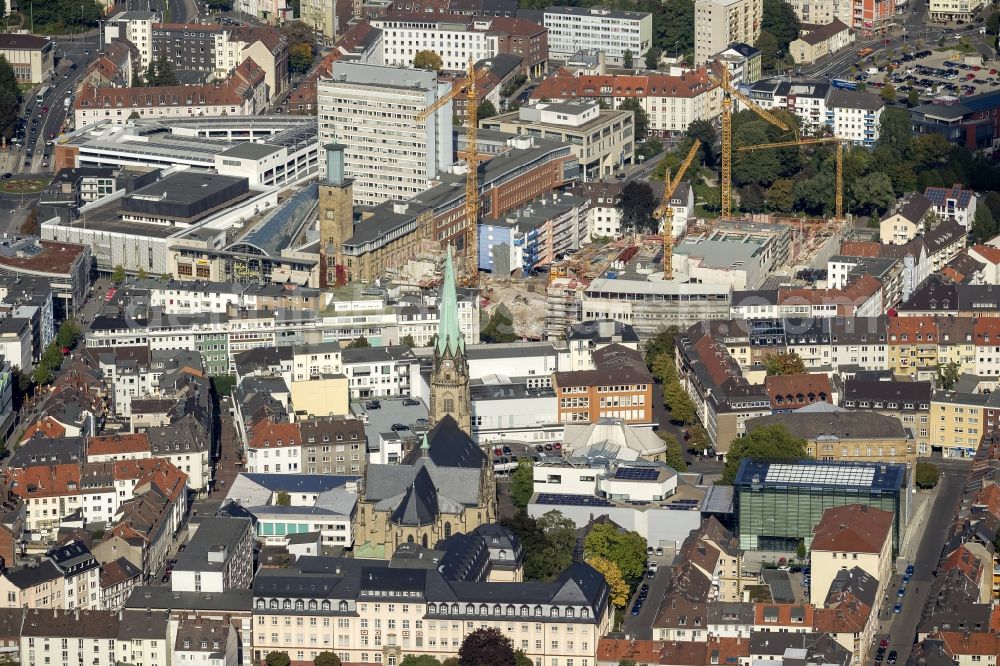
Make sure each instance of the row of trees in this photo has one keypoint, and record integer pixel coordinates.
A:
(301, 46)
(52, 357)
(660, 359)
(62, 16)
(10, 100)
(480, 647)
(159, 73)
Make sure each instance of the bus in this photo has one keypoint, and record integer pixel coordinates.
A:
(844, 84)
(40, 97)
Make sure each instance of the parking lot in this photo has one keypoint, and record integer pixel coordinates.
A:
(933, 73)
(505, 455)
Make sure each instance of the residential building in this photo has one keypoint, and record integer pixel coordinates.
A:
(243, 93)
(906, 219)
(333, 445)
(946, 11)
(219, 557)
(853, 535)
(959, 421)
(603, 215)
(45, 636)
(533, 236)
(671, 102)
(854, 115)
(871, 17)
(846, 436)
(791, 392)
(719, 23)
(66, 578)
(777, 504)
(615, 32)
(602, 140)
(420, 149)
(953, 203)
(743, 62)
(820, 35)
(135, 28)
(206, 642)
(806, 99)
(31, 57)
(907, 401)
(118, 579)
(619, 386)
(587, 337)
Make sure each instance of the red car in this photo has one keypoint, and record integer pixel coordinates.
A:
(498, 451)
(45, 109)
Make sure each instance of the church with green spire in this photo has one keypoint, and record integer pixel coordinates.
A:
(450, 376)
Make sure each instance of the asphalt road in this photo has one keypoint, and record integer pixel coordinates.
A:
(903, 631)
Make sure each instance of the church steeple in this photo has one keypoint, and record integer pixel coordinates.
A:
(449, 339)
(450, 377)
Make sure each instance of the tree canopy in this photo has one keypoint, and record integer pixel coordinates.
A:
(10, 99)
(626, 549)
(326, 659)
(619, 589)
(419, 660)
(486, 645)
(779, 20)
(772, 442)
(160, 73)
(522, 484)
(785, 363)
(428, 60)
(926, 475)
(485, 110)
(640, 120)
(636, 204)
(548, 543)
(277, 659)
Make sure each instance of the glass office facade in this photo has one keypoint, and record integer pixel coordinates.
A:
(778, 504)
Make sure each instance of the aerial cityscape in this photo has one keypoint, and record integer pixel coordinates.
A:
(499, 333)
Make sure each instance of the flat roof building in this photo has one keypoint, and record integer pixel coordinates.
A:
(613, 31)
(778, 504)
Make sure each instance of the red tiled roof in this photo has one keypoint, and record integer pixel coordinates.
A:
(987, 252)
(46, 480)
(784, 614)
(989, 497)
(566, 86)
(46, 427)
(986, 331)
(850, 248)
(923, 326)
(848, 616)
(127, 443)
(267, 434)
(973, 643)
(962, 559)
(798, 390)
(853, 528)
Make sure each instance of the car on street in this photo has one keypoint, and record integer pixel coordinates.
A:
(910, 570)
(7, 176)
(901, 592)
(892, 657)
(373, 404)
(649, 551)
(898, 608)
(398, 427)
(411, 402)
(659, 551)
(637, 608)
(884, 643)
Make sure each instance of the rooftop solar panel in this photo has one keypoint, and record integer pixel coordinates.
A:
(636, 473)
(570, 500)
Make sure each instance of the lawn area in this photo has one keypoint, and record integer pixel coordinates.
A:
(23, 185)
(701, 191)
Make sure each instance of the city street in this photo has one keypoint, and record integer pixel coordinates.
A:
(903, 628)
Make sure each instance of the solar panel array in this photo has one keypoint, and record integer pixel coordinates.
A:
(830, 475)
(637, 473)
(570, 500)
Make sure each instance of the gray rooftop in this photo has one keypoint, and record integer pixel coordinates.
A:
(212, 533)
(383, 76)
(250, 151)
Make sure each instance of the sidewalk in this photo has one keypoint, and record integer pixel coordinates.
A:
(922, 501)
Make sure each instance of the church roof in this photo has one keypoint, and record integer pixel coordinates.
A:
(449, 339)
(419, 505)
(449, 446)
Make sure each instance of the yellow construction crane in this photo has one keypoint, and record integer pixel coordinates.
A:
(809, 142)
(663, 212)
(728, 93)
(472, 162)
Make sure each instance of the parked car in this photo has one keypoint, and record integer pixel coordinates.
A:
(898, 608)
(507, 450)
(910, 569)
(373, 404)
(397, 427)
(892, 657)
(659, 551)
(649, 551)
(498, 451)
(410, 402)
(901, 592)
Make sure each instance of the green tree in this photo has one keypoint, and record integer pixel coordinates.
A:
(913, 99)
(522, 482)
(326, 659)
(984, 226)
(428, 60)
(627, 662)
(673, 25)
(300, 57)
(419, 660)
(660, 344)
(283, 498)
(930, 151)
(627, 59)
(653, 57)
(485, 110)
(360, 342)
(704, 131)
(118, 275)
(42, 374)
(801, 551)
(674, 455)
(618, 588)
(783, 363)
(872, 194)
(926, 475)
(993, 23)
(277, 659)
(948, 374)
(678, 401)
(780, 196)
(408, 341)
(770, 51)
(895, 132)
(780, 20)
(636, 205)
(68, 333)
(772, 442)
(560, 538)
(888, 93)
(485, 646)
(521, 659)
(640, 120)
(625, 548)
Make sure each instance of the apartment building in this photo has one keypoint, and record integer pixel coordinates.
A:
(953, 203)
(368, 612)
(135, 27)
(854, 115)
(615, 32)
(372, 110)
(719, 23)
(854, 535)
(456, 39)
(620, 386)
(219, 557)
(913, 346)
(959, 421)
(908, 401)
(603, 140)
(945, 11)
(671, 102)
(244, 93)
(66, 578)
(70, 636)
